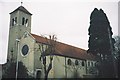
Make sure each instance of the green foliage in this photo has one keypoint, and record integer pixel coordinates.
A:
(106, 69)
(117, 47)
(10, 71)
(101, 41)
(99, 33)
(117, 52)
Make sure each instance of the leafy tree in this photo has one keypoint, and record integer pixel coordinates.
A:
(10, 71)
(101, 42)
(117, 53)
(117, 47)
(48, 51)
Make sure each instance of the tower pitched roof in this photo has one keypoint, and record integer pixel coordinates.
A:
(21, 8)
(62, 49)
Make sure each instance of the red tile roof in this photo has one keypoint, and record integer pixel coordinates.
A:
(40, 39)
(65, 50)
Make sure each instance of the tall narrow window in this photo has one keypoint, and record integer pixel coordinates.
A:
(92, 64)
(13, 22)
(88, 63)
(76, 62)
(83, 63)
(26, 22)
(23, 21)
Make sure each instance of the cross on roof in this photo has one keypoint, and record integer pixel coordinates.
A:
(21, 2)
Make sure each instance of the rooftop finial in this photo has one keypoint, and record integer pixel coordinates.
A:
(21, 2)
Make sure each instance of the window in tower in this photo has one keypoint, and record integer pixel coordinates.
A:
(13, 22)
(23, 21)
(26, 22)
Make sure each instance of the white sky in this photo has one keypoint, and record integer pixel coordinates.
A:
(67, 19)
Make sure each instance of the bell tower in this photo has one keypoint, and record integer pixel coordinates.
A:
(20, 21)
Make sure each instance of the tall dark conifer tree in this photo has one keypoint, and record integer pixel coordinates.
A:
(101, 42)
(99, 33)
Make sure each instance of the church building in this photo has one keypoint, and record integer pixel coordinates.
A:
(44, 56)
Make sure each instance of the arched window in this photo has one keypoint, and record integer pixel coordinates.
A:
(92, 64)
(13, 22)
(26, 22)
(15, 19)
(83, 63)
(96, 64)
(69, 62)
(23, 21)
(38, 74)
(76, 62)
(88, 63)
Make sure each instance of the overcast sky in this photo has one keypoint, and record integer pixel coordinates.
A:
(67, 19)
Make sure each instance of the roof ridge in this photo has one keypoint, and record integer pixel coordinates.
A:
(21, 8)
(60, 42)
(63, 49)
